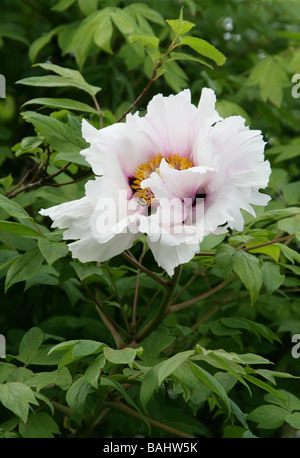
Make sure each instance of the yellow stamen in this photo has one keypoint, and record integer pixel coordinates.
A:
(144, 171)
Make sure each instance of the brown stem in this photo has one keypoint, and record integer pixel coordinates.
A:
(118, 297)
(136, 293)
(145, 90)
(8, 194)
(176, 308)
(99, 110)
(269, 243)
(127, 410)
(110, 323)
(147, 306)
(137, 264)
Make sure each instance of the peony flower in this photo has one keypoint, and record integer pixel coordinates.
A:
(177, 174)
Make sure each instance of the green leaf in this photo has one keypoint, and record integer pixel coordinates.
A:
(148, 13)
(204, 48)
(158, 340)
(103, 33)
(67, 78)
(88, 6)
(271, 77)
(60, 377)
(183, 56)
(62, 5)
(38, 426)
(77, 395)
(268, 416)
(24, 267)
(226, 108)
(293, 419)
(271, 277)
(5, 370)
(92, 373)
(123, 21)
(37, 45)
(179, 26)
(124, 356)
(16, 397)
(52, 251)
(150, 42)
(106, 381)
(61, 136)
(30, 344)
(247, 268)
(171, 364)
(86, 347)
(211, 382)
(289, 253)
(12, 208)
(224, 259)
(149, 385)
(262, 385)
(67, 104)
(17, 228)
(290, 225)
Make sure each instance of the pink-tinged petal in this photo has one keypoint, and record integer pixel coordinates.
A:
(169, 123)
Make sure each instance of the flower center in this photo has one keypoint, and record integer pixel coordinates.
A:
(144, 171)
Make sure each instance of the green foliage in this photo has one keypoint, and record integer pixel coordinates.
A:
(82, 357)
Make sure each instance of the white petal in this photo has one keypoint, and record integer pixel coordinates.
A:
(168, 257)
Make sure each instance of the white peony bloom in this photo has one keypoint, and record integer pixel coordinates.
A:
(177, 174)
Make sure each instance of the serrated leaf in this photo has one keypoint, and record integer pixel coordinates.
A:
(204, 48)
(179, 26)
(150, 42)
